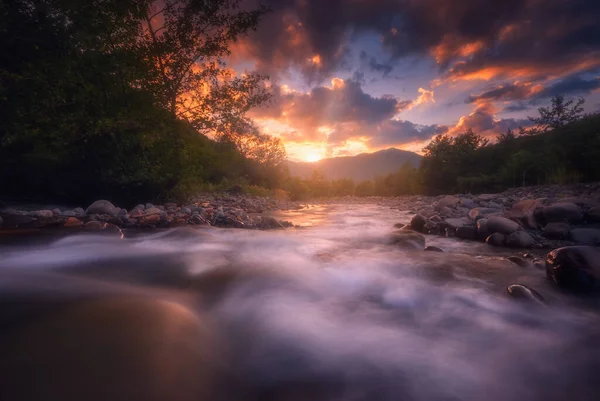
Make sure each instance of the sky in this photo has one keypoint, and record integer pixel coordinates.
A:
(356, 76)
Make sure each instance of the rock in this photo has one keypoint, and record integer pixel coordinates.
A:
(520, 239)
(496, 239)
(151, 219)
(43, 214)
(56, 212)
(481, 212)
(448, 201)
(518, 261)
(140, 207)
(482, 228)
(486, 197)
(586, 236)
(148, 206)
(593, 215)
(94, 226)
(456, 223)
(103, 207)
(494, 205)
(199, 220)
(525, 293)
(152, 210)
(73, 222)
(433, 249)
(574, 267)
(557, 231)
(186, 210)
(79, 212)
(435, 219)
(468, 203)
(1, 221)
(563, 212)
(407, 240)
(135, 212)
(497, 224)
(466, 232)
(418, 222)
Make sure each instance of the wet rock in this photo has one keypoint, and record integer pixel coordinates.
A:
(186, 210)
(435, 219)
(586, 236)
(524, 293)
(593, 215)
(482, 229)
(450, 232)
(574, 267)
(433, 249)
(418, 222)
(79, 212)
(199, 220)
(497, 224)
(405, 239)
(148, 206)
(557, 231)
(518, 261)
(152, 210)
(468, 203)
(150, 219)
(563, 212)
(496, 239)
(268, 222)
(520, 239)
(486, 197)
(103, 207)
(94, 226)
(135, 212)
(73, 222)
(481, 212)
(466, 233)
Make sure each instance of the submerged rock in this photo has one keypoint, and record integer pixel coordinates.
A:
(418, 222)
(407, 240)
(574, 267)
(431, 248)
(518, 261)
(524, 293)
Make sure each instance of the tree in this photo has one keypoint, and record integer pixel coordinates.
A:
(185, 43)
(559, 114)
(508, 137)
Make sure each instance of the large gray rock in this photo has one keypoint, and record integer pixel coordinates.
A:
(497, 224)
(520, 239)
(557, 231)
(586, 236)
(481, 212)
(418, 223)
(574, 267)
(103, 207)
(448, 201)
(563, 212)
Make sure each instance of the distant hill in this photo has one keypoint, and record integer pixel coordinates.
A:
(360, 167)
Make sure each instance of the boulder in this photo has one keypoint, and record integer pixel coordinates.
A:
(586, 236)
(524, 293)
(418, 222)
(520, 239)
(593, 215)
(43, 214)
(103, 207)
(466, 233)
(468, 203)
(574, 267)
(268, 222)
(448, 201)
(482, 228)
(79, 212)
(73, 222)
(481, 212)
(557, 231)
(563, 212)
(152, 210)
(433, 249)
(496, 239)
(409, 240)
(497, 224)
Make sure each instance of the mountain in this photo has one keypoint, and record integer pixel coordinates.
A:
(360, 167)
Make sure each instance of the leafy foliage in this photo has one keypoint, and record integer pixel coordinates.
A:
(560, 113)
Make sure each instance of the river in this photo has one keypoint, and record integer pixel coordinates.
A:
(327, 311)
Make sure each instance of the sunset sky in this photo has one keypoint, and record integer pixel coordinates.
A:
(354, 76)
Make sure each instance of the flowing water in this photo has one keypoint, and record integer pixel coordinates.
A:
(328, 311)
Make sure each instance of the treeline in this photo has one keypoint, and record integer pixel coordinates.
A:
(116, 99)
(562, 147)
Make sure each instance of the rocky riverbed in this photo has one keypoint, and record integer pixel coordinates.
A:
(220, 210)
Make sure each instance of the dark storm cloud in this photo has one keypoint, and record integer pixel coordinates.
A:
(506, 92)
(342, 102)
(397, 132)
(468, 38)
(572, 85)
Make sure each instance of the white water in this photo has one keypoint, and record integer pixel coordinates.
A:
(331, 312)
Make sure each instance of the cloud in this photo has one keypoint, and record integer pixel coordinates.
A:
(484, 121)
(398, 133)
(572, 85)
(507, 92)
(425, 96)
